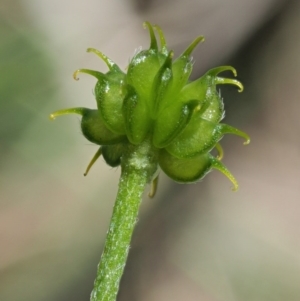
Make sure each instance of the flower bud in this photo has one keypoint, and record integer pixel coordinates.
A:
(155, 101)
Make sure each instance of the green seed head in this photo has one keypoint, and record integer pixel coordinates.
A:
(157, 101)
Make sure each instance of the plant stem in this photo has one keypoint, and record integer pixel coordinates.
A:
(138, 167)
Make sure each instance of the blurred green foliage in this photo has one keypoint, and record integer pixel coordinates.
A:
(25, 85)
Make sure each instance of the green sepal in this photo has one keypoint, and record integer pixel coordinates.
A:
(199, 137)
(153, 42)
(109, 96)
(194, 90)
(220, 151)
(94, 129)
(187, 170)
(112, 154)
(97, 74)
(154, 184)
(162, 83)
(220, 80)
(217, 164)
(204, 90)
(183, 66)
(190, 170)
(112, 66)
(92, 126)
(227, 129)
(171, 122)
(213, 110)
(163, 43)
(108, 93)
(136, 115)
(142, 70)
(93, 161)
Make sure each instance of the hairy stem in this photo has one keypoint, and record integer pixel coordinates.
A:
(138, 167)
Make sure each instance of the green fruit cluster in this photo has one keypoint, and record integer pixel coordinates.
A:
(155, 100)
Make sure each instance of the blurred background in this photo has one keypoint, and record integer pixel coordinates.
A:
(192, 242)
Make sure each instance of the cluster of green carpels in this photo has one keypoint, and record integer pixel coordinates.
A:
(156, 100)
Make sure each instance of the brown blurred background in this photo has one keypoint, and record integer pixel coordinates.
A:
(193, 242)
